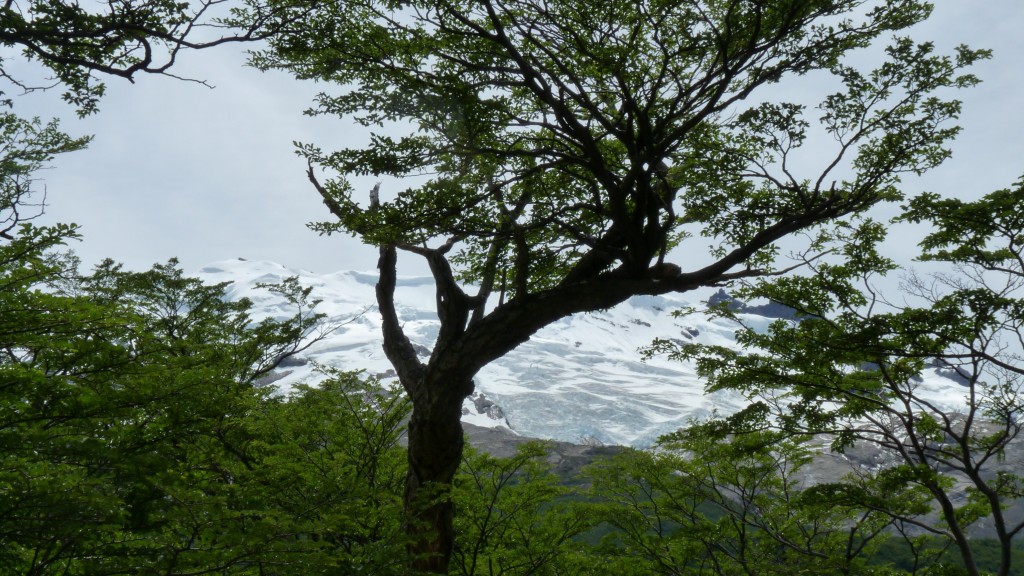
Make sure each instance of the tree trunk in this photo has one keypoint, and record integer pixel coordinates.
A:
(435, 452)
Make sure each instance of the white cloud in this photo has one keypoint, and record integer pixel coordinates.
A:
(177, 169)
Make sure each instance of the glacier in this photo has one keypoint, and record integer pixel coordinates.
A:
(581, 379)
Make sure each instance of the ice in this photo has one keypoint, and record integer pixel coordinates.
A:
(581, 378)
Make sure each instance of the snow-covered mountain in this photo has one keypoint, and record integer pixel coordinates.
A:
(579, 380)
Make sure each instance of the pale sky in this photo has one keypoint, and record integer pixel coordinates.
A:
(177, 169)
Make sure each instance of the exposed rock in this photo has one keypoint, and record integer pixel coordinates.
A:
(271, 377)
(488, 407)
(723, 297)
(770, 310)
(293, 362)
(567, 460)
(496, 413)
(482, 403)
(954, 373)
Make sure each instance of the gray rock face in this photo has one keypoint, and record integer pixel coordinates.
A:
(769, 310)
(488, 407)
(567, 459)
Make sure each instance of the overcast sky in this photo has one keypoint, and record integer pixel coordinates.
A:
(177, 169)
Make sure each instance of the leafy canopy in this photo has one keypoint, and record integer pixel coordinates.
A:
(551, 141)
(80, 43)
(854, 369)
(561, 156)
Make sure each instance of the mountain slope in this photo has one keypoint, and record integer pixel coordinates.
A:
(579, 380)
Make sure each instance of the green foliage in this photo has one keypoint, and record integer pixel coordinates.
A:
(851, 368)
(80, 43)
(511, 517)
(894, 552)
(985, 232)
(560, 156)
(25, 147)
(548, 128)
(331, 468)
(133, 434)
(565, 144)
(704, 503)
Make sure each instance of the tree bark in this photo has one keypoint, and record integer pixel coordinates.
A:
(435, 452)
(437, 390)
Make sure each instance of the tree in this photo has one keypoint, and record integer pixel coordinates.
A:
(119, 393)
(78, 43)
(710, 502)
(314, 487)
(852, 370)
(513, 517)
(567, 155)
(127, 400)
(27, 146)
